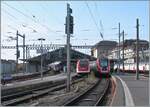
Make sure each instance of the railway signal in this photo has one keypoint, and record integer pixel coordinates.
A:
(69, 22)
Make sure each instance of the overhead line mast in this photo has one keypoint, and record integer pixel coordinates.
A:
(137, 49)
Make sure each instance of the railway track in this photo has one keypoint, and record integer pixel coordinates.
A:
(93, 96)
(15, 99)
(146, 75)
(24, 77)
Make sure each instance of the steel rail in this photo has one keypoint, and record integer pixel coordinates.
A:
(89, 92)
(33, 94)
(102, 97)
(53, 84)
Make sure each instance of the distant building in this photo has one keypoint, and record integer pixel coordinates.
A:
(103, 48)
(130, 51)
(8, 66)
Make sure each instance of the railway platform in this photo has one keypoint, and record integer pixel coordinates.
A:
(129, 91)
(29, 84)
(34, 81)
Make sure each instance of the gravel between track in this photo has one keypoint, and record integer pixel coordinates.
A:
(58, 98)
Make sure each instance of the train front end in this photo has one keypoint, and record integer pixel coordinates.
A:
(83, 66)
(103, 67)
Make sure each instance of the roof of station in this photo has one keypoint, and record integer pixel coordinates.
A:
(60, 55)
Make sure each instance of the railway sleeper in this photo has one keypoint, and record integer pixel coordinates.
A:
(32, 95)
(87, 100)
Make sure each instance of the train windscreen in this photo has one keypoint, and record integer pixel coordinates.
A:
(83, 63)
(104, 62)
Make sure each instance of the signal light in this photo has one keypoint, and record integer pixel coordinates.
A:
(70, 25)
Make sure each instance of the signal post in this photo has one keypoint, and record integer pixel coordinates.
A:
(68, 31)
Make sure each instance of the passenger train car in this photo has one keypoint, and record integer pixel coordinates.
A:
(55, 66)
(131, 67)
(83, 66)
(101, 67)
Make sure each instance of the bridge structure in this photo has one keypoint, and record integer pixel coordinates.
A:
(46, 47)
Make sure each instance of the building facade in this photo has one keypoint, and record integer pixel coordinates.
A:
(7, 66)
(130, 51)
(103, 48)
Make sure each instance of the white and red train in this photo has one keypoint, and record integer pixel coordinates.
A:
(83, 66)
(100, 67)
(103, 67)
(131, 67)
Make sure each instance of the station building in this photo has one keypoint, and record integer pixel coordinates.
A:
(8, 66)
(103, 48)
(130, 51)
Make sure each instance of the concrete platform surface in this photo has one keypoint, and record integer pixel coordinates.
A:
(136, 92)
(119, 97)
(35, 81)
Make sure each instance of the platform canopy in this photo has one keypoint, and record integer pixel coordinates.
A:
(59, 55)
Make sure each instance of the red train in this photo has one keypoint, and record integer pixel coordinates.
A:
(83, 66)
(101, 67)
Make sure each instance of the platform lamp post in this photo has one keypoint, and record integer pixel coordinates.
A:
(41, 39)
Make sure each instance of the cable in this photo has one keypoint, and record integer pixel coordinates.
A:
(14, 20)
(12, 27)
(30, 18)
(19, 11)
(12, 17)
(98, 14)
(18, 22)
(22, 5)
(93, 19)
(96, 7)
(46, 13)
(9, 13)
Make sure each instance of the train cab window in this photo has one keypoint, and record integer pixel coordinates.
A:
(104, 62)
(83, 63)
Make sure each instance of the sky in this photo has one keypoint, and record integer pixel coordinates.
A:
(47, 18)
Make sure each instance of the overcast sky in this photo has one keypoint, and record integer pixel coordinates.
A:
(47, 18)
